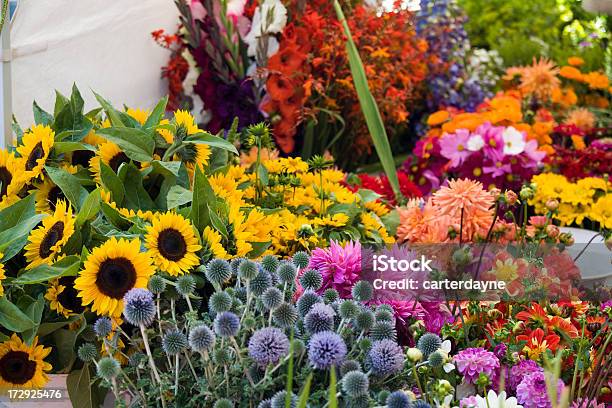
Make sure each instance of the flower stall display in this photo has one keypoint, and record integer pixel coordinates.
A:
(288, 63)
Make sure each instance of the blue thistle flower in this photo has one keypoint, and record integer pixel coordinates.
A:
(355, 383)
(268, 346)
(103, 326)
(398, 399)
(326, 349)
(319, 318)
(201, 338)
(174, 342)
(139, 307)
(386, 357)
(226, 324)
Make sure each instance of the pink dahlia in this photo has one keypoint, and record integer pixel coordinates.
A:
(340, 266)
(532, 391)
(519, 371)
(472, 362)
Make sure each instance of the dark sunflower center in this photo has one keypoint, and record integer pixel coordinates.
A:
(82, 157)
(54, 195)
(17, 368)
(55, 234)
(115, 277)
(5, 179)
(68, 298)
(117, 161)
(37, 153)
(171, 244)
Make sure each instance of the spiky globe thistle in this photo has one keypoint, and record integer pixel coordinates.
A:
(256, 372)
(428, 343)
(174, 342)
(223, 356)
(218, 271)
(348, 366)
(383, 315)
(355, 383)
(268, 346)
(265, 404)
(385, 357)
(108, 368)
(185, 285)
(326, 349)
(386, 307)
(260, 283)
(285, 315)
(139, 307)
(241, 293)
(248, 269)
(278, 400)
(201, 338)
(306, 301)
(319, 318)
(234, 264)
(103, 326)
(157, 284)
(223, 403)
(311, 280)
(274, 278)
(301, 259)
(272, 298)
(270, 263)
(249, 322)
(364, 320)
(436, 359)
(87, 352)
(286, 272)
(383, 331)
(398, 399)
(362, 291)
(420, 404)
(226, 324)
(348, 309)
(330, 295)
(219, 302)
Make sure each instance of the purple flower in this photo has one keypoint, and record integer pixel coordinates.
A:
(532, 392)
(500, 350)
(520, 371)
(605, 305)
(472, 362)
(453, 146)
(139, 307)
(326, 349)
(339, 266)
(468, 402)
(268, 346)
(386, 357)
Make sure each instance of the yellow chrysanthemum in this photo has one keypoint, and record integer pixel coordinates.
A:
(2, 275)
(63, 297)
(601, 211)
(110, 154)
(35, 149)
(48, 193)
(336, 220)
(111, 270)
(23, 366)
(172, 243)
(212, 243)
(46, 241)
(11, 178)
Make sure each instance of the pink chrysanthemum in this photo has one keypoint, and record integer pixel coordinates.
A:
(472, 362)
(339, 266)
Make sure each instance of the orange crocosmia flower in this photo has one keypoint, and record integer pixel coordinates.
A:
(534, 314)
(438, 117)
(570, 73)
(561, 325)
(279, 87)
(538, 343)
(575, 61)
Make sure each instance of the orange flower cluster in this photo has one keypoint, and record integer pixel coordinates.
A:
(311, 71)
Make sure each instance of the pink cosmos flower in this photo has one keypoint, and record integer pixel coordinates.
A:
(453, 146)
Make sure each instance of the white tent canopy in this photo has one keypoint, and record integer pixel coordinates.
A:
(98, 44)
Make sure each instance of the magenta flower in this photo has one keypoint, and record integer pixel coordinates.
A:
(519, 371)
(472, 362)
(532, 152)
(339, 266)
(453, 146)
(494, 142)
(532, 392)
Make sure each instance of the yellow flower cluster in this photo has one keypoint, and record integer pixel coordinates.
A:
(589, 198)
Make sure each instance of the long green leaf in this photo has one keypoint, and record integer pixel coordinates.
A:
(305, 392)
(369, 106)
(12, 318)
(135, 143)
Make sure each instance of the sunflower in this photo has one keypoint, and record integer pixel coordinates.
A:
(111, 270)
(62, 297)
(192, 154)
(23, 366)
(11, 178)
(212, 243)
(46, 241)
(37, 144)
(139, 115)
(2, 275)
(172, 243)
(48, 193)
(82, 157)
(111, 155)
